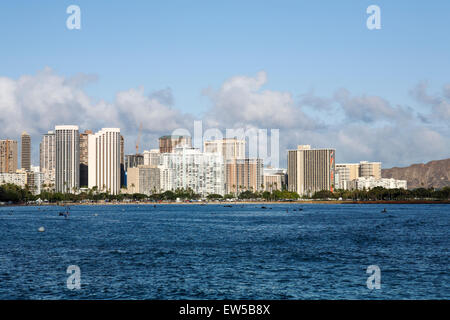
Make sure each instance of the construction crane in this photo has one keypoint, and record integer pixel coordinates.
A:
(138, 138)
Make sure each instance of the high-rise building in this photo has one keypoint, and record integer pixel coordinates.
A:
(104, 160)
(311, 170)
(152, 157)
(47, 159)
(370, 169)
(229, 148)
(167, 144)
(189, 168)
(133, 160)
(35, 180)
(25, 152)
(144, 179)
(244, 175)
(8, 156)
(122, 161)
(84, 152)
(67, 142)
(347, 172)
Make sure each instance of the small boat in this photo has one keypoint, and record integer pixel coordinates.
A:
(263, 207)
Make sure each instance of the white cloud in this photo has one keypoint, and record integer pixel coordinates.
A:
(359, 127)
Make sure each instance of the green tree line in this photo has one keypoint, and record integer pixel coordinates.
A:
(380, 193)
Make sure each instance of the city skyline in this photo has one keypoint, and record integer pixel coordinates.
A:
(312, 70)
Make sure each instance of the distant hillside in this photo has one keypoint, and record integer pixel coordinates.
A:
(434, 174)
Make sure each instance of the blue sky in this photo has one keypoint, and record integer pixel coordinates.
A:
(189, 46)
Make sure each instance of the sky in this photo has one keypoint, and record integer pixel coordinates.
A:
(311, 69)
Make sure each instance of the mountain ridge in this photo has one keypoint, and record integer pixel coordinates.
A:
(433, 174)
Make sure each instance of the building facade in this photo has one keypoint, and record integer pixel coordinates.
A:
(144, 179)
(346, 172)
(189, 168)
(230, 149)
(25, 152)
(84, 152)
(274, 179)
(370, 169)
(311, 170)
(67, 166)
(47, 159)
(8, 156)
(167, 144)
(363, 183)
(35, 181)
(104, 160)
(244, 175)
(19, 178)
(152, 157)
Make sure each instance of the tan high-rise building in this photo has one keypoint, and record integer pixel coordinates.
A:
(47, 159)
(84, 152)
(104, 160)
(143, 179)
(25, 152)
(244, 175)
(167, 144)
(370, 169)
(346, 172)
(311, 170)
(67, 142)
(8, 156)
(230, 149)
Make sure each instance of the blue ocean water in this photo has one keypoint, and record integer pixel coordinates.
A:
(217, 252)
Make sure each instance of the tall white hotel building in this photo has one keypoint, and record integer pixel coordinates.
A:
(67, 145)
(104, 160)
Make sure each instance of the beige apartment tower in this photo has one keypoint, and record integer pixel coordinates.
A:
(104, 160)
(347, 172)
(244, 175)
(25, 152)
(311, 170)
(47, 158)
(167, 144)
(67, 145)
(370, 169)
(144, 179)
(8, 156)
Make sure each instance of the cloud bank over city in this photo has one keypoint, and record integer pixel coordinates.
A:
(360, 127)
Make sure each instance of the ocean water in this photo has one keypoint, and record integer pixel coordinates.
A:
(217, 252)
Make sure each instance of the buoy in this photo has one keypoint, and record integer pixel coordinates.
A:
(41, 229)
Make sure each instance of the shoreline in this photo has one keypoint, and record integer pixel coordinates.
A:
(231, 203)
